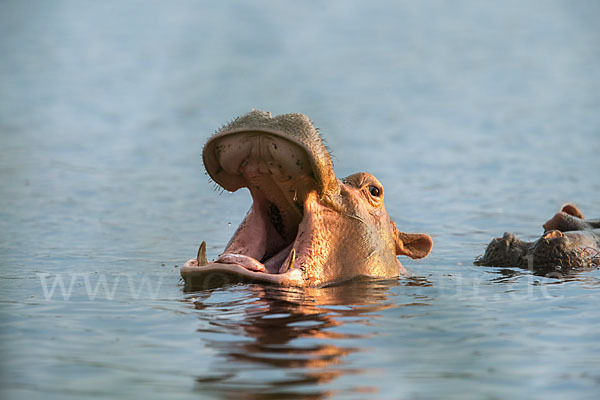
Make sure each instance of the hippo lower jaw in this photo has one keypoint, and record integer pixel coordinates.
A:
(259, 252)
(220, 272)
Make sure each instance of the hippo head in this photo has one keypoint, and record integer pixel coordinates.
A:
(507, 251)
(558, 251)
(305, 227)
(553, 251)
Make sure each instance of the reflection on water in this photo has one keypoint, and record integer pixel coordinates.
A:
(553, 277)
(305, 335)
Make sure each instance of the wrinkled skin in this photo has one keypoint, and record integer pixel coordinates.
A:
(569, 243)
(306, 227)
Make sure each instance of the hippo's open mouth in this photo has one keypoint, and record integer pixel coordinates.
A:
(279, 175)
(305, 226)
(275, 240)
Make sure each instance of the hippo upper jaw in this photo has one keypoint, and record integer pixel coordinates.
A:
(286, 141)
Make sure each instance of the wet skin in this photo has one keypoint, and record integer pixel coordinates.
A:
(306, 227)
(569, 243)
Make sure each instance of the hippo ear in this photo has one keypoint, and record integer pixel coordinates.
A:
(413, 245)
(572, 210)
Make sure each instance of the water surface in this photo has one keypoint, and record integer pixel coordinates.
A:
(478, 118)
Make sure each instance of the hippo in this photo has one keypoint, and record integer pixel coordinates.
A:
(305, 227)
(569, 243)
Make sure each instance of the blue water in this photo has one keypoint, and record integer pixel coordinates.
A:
(477, 117)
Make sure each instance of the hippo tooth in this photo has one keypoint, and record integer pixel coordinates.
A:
(202, 255)
(290, 264)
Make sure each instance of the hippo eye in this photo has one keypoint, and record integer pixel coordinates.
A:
(375, 191)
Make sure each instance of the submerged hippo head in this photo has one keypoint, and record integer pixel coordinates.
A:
(568, 243)
(305, 226)
(559, 251)
(554, 250)
(507, 251)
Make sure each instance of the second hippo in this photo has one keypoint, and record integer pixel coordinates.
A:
(569, 242)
